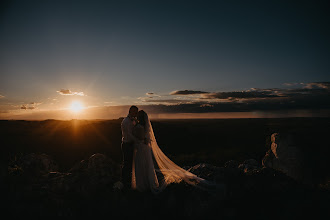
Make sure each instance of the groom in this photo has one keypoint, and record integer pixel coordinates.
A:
(127, 145)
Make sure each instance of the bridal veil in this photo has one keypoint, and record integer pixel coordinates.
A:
(172, 173)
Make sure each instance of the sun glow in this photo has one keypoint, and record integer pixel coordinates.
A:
(76, 107)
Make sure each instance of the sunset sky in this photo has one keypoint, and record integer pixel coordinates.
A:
(92, 59)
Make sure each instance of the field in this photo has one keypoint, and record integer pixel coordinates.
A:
(186, 142)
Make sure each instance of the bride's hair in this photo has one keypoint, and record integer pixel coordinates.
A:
(141, 118)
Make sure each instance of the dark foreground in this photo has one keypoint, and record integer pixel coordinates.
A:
(75, 184)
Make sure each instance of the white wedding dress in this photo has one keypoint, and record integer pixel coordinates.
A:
(144, 176)
(147, 151)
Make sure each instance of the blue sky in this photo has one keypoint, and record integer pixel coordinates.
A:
(110, 53)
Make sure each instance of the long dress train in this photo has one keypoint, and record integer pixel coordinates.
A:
(144, 173)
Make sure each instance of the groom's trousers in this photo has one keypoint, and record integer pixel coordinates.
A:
(126, 175)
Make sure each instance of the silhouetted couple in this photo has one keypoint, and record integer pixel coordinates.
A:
(140, 151)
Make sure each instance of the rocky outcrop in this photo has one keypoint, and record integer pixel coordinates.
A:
(87, 191)
(96, 173)
(284, 156)
(208, 172)
(249, 165)
(37, 164)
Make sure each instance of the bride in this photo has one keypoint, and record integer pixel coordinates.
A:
(144, 174)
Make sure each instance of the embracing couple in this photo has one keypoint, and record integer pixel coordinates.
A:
(143, 159)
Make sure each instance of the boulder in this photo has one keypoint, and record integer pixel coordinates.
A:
(96, 174)
(38, 164)
(267, 161)
(59, 182)
(284, 155)
(249, 165)
(231, 164)
(101, 165)
(82, 166)
(208, 172)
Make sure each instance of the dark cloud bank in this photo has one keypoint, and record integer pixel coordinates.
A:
(307, 100)
(309, 96)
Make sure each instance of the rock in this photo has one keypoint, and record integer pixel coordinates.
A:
(231, 164)
(38, 164)
(249, 165)
(267, 161)
(101, 165)
(96, 174)
(251, 162)
(325, 185)
(82, 166)
(98, 164)
(208, 172)
(284, 156)
(15, 170)
(60, 182)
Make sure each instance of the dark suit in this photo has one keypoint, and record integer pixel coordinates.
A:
(127, 148)
(128, 151)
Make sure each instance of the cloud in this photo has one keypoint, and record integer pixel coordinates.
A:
(31, 105)
(240, 95)
(69, 92)
(151, 99)
(152, 94)
(164, 100)
(292, 84)
(206, 105)
(308, 88)
(304, 90)
(318, 85)
(187, 92)
(248, 94)
(27, 107)
(309, 96)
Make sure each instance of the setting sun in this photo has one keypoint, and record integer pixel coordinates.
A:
(76, 107)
